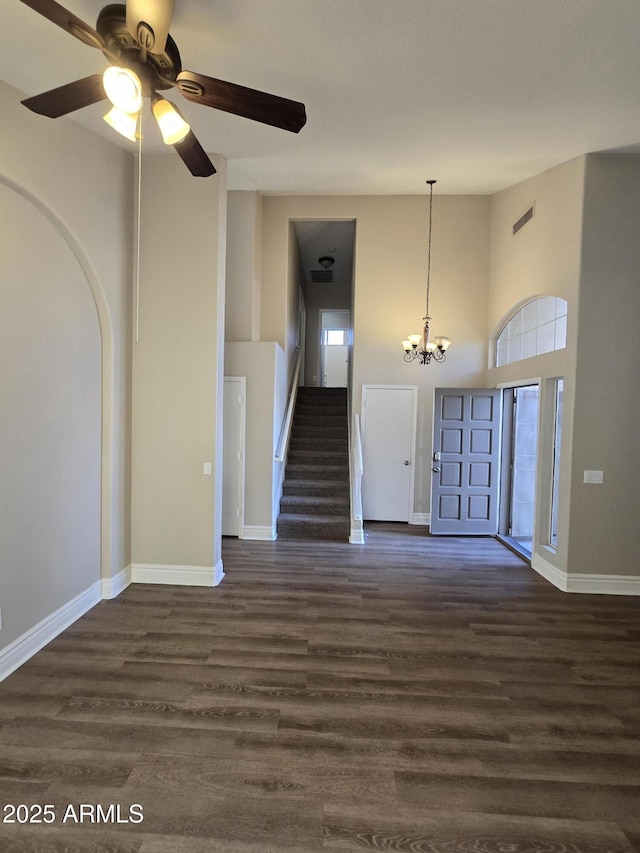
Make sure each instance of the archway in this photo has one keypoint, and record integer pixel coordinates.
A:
(106, 368)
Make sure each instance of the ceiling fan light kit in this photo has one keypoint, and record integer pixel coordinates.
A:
(123, 88)
(126, 124)
(144, 59)
(171, 122)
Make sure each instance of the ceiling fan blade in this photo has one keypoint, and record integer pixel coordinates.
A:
(241, 101)
(148, 21)
(67, 20)
(65, 99)
(195, 157)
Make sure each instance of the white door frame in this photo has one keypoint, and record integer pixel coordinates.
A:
(414, 422)
(506, 472)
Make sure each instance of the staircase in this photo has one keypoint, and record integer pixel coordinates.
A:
(315, 495)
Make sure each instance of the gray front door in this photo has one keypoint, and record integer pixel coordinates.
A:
(465, 476)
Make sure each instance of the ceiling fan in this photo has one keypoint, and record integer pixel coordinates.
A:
(144, 59)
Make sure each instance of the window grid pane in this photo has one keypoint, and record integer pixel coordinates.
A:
(539, 326)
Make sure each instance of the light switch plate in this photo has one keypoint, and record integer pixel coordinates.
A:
(593, 476)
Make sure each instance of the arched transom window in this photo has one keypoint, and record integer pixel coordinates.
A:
(539, 326)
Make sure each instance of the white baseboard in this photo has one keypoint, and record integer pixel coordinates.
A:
(586, 583)
(255, 531)
(420, 518)
(178, 575)
(112, 587)
(19, 652)
(356, 536)
(549, 572)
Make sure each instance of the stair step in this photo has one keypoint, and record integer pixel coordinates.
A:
(315, 505)
(329, 409)
(302, 442)
(317, 472)
(319, 419)
(313, 527)
(336, 431)
(314, 391)
(310, 456)
(316, 487)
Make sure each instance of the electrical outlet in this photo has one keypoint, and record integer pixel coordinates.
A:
(593, 476)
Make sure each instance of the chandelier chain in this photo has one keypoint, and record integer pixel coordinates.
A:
(431, 183)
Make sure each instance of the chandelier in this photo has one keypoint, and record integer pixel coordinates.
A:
(419, 346)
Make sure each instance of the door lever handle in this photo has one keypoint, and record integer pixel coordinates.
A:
(435, 469)
(406, 462)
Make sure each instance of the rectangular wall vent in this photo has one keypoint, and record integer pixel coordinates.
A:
(321, 276)
(523, 220)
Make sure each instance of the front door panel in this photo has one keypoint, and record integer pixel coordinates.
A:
(466, 462)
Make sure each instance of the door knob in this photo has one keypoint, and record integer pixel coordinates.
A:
(406, 462)
(435, 469)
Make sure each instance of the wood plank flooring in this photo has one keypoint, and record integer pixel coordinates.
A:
(411, 694)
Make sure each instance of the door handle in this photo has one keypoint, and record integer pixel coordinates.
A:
(406, 462)
(435, 469)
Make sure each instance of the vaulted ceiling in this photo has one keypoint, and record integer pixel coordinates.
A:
(479, 94)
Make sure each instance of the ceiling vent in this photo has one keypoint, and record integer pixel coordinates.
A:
(523, 220)
(322, 276)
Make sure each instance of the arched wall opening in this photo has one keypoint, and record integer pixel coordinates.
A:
(57, 402)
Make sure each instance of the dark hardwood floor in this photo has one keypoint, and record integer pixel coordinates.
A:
(411, 694)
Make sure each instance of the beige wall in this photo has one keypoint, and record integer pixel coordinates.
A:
(244, 266)
(389, 290)
(177, 371)
(50, 412)
(604, 534)
(543, 258)
(65, 287)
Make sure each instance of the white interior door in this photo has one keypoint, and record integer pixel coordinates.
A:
(233, 455)
(465, 483)
(389, 427)
(334, 347)
(336, 365)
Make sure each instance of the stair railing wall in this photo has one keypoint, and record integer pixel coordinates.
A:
(356, 536)
(285, 430)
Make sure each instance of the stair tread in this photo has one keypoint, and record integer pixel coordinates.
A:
(311, 508)
(311, 457)
(306, 487)
(308, 518)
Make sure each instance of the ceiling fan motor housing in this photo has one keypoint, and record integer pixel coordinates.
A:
(112, 26)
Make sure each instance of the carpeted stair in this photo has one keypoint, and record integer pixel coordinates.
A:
(315, 495)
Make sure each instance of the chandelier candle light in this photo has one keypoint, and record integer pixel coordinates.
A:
(419, 346)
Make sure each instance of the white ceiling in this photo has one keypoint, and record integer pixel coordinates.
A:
(479, 94)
